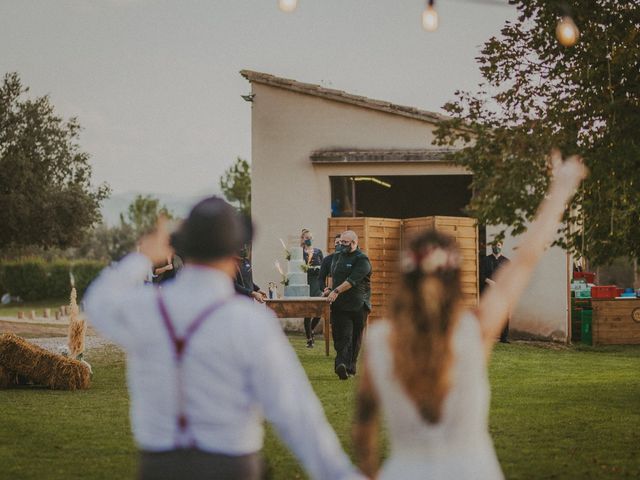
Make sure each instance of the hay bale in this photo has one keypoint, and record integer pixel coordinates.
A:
(7, 378)
(41, 366)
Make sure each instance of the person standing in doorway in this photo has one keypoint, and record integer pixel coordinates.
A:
(350, 272)
(312, 260)
(490, 265)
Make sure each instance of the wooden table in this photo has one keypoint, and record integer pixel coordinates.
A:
(301, 307)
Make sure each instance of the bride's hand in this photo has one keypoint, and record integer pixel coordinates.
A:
(568, 173)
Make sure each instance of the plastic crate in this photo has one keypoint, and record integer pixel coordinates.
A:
(604, 291)
(586, 334)
(583, 294)
(590, 277)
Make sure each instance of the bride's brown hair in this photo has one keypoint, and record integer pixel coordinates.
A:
(424, 312)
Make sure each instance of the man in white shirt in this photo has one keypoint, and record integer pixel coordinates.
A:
(204, 365)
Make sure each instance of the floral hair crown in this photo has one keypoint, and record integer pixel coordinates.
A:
(430, 260)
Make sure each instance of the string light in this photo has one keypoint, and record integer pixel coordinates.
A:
(430, 18)
(567, 32)
(287, 6)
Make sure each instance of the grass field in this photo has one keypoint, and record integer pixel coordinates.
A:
(12, 309)
(561, 413)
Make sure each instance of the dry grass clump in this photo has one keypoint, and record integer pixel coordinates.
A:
(19, 357)
(77, 328)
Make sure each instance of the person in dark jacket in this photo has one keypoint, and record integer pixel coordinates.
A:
(351, 277)
(244, 278)
(312, 260)
(325, 266)
(488, 268)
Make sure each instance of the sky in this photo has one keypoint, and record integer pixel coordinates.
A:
(155, 83)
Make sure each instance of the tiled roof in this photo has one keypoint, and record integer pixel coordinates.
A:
(340, 96)
(375, 156)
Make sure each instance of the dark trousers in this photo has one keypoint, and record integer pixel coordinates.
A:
(195, 464)
(504, 335)
(347, 327)
(310, 325)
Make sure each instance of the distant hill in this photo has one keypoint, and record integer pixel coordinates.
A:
(118, 203)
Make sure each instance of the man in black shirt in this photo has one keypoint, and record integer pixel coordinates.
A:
(351, 274)
(488, 268)
(325, 266)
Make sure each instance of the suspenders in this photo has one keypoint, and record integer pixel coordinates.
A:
(180, 345)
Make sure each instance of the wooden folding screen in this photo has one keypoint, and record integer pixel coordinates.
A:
(383, 238)
(465, 231)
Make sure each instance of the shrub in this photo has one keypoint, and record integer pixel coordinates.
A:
(34, 279)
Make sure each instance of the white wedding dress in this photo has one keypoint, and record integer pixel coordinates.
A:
(459, 446)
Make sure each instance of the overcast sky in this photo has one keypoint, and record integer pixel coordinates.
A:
(155, 83)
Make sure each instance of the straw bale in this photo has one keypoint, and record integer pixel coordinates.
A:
(41, 366)
(7, 378)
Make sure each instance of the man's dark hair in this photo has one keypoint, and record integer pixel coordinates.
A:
(213, 229)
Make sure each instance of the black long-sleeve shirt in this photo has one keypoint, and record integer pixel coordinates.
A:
(355, 268)
(488, 268)
(244, 279)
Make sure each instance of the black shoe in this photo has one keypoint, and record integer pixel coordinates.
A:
(310, 343)
(341, 371)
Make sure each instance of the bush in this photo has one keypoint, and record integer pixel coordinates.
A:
(34, 279)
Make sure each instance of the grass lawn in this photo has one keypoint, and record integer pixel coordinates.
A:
(556, 413)
(12, 309)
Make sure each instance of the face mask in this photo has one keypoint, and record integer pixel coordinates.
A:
(307, 242)
(496, 250)
(341, 248)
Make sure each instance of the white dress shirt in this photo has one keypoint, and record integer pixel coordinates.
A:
(238, 366)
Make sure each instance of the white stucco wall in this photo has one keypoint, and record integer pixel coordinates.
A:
(544, 308)
(289, 192)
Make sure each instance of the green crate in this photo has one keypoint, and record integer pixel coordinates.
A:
(586, 332)
(583, 294)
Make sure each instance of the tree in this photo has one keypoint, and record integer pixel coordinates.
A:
(236, 185)
(46, 197)
(142, 214)
(584, 99)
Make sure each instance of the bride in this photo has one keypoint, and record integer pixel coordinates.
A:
(426, 366)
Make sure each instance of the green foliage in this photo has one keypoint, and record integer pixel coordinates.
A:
(107, 243)
(236, 185)
(34, 279)
(142, 214)
(46, 197)
(537, 95)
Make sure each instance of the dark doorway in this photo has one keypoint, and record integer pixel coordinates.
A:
(400, 196)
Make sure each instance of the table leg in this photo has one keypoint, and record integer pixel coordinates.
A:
(327, 330)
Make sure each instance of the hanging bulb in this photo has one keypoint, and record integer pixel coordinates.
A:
(567, 32)
(430, 18)
(287, 5)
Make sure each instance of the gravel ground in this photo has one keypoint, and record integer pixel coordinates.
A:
(55, 343)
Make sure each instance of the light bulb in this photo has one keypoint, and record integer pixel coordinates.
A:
(430, 18)
(287, 5)
(567, 32)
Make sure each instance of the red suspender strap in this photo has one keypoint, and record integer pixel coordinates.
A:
(180, 343)
(179, 347)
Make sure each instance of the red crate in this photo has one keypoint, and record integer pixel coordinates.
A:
(619, 291)
(604, 291)
(590, 277)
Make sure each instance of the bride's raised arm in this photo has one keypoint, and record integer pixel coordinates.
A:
(511, 280)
